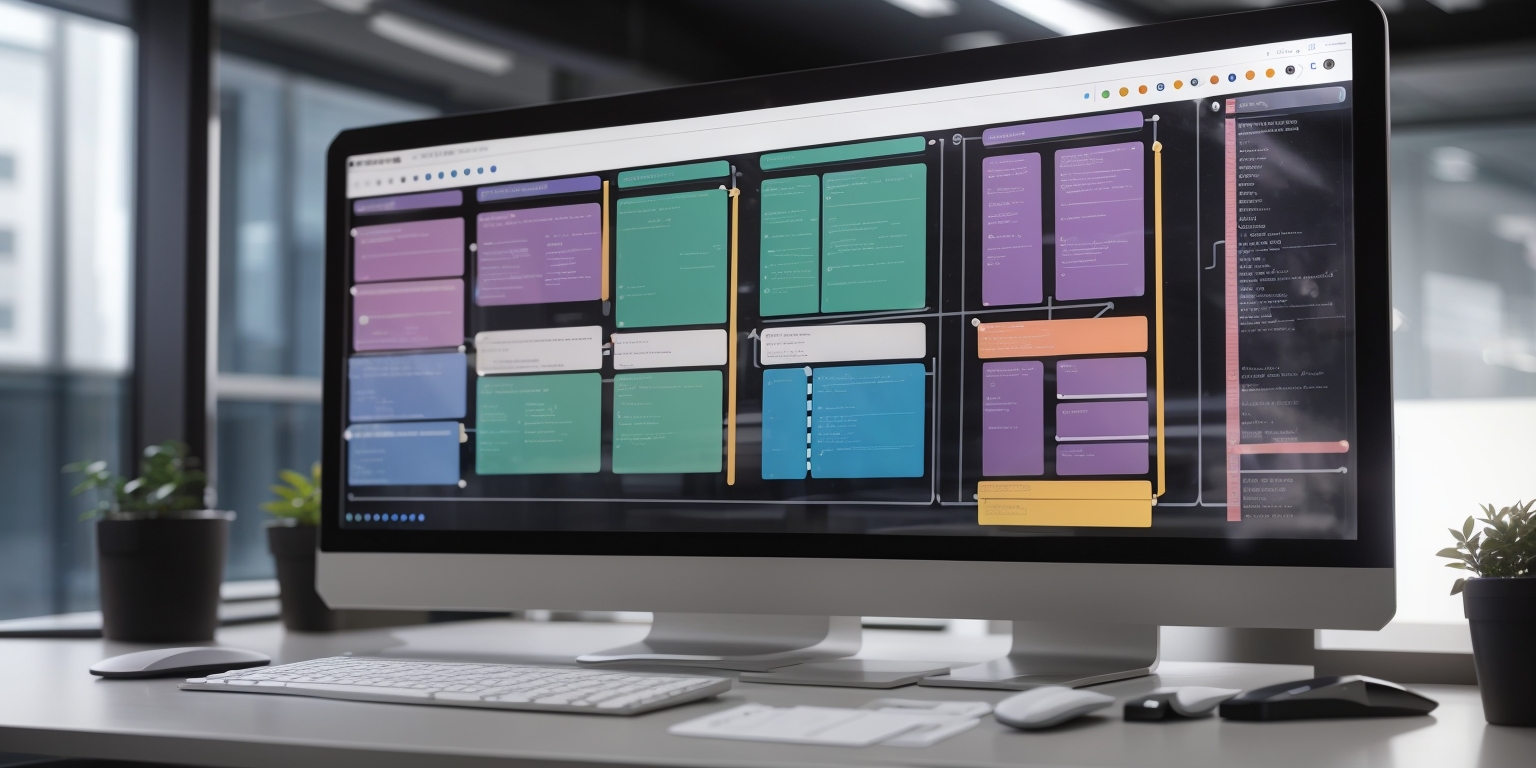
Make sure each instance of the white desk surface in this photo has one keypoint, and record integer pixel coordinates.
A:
(49, 704)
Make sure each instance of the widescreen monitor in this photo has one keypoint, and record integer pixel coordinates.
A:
(1090, 329)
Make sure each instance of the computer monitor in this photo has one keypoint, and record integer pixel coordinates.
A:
(1090, 333)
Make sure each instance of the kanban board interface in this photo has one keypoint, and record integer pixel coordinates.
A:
(1110, 301)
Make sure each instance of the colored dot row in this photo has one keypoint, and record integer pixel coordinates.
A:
(440, 174)
(1194, 82)
(381, 518)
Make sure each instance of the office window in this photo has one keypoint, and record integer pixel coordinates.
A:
(66, 212)
(275, 126)
(1464, 287)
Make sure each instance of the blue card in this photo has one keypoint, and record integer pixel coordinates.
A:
(407, 387)
(784, 428)
(414, 453)
(867, 421)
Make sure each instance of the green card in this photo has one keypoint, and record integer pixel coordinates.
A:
(842, 152)
(874, 244)
(536, 425)
(672, 259)
(674, 173)
(791, 240)
(667, 422)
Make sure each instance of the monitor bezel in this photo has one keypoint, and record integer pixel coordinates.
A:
(1374, 545)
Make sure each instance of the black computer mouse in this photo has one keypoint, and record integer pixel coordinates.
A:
(1338, 696)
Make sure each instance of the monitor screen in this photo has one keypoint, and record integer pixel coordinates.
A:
(1112, 301)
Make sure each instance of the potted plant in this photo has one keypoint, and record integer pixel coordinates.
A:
(160, 550)
(1500, 603)
(293, 540)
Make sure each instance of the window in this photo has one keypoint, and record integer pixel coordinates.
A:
(275, 126)
(66, 212)
(1464, 298)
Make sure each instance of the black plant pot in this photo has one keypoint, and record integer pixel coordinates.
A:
(160, 578)
(1502, 612)
(293, 546)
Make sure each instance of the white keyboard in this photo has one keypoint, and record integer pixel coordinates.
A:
(496, 686)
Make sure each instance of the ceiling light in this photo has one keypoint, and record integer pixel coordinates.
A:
(968, 40)
(438, 42)
(20, 25)
(1066, 17)
(1457, 6)
(349, 6)
(1452, 164)
(928, 9)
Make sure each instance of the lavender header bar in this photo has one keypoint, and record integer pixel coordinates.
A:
(444, 199)
(537, 188)
(1120, 121)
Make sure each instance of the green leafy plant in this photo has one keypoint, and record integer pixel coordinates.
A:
(169, 483)
(299, 500)
(1505, 547)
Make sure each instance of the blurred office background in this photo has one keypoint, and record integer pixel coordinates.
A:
(289, 74)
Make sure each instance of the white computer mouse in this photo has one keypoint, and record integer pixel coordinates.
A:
(1047, 706)
(1171, 703)
(178, 662)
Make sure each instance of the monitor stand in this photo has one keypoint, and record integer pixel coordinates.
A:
(745, 642)
(1061, 653)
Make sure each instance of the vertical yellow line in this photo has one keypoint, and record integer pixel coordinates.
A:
(1157, 246)
(605, 240)
(730, 387)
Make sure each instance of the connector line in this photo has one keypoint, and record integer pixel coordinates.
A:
(1157, 260)
(1230, 322)
(730, 386)
(605, 240)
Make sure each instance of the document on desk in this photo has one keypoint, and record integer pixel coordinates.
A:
(826, 726)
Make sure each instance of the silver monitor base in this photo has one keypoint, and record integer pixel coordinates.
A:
(746, 642)
(1059, 653)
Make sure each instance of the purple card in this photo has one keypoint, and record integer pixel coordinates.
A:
(1072, 126)
(1013, 418)
(1010, 230)
(1101, 240)
(1113, 420)
(408, 250)
(408, 315)
(1101, 459)
(540, 255)
(376, 205)
(537, 188)
(1102, 377)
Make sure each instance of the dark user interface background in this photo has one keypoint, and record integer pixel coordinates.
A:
(1294, 332)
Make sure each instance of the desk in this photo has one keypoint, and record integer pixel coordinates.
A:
(51, 705)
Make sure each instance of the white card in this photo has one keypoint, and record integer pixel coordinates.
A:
(839, 343)
(669, 349)
(542, 350)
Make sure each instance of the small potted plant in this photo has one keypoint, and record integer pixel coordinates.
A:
(1500, 603)
(293, 539)
(160, 549)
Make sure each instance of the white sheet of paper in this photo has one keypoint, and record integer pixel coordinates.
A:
(932, 730)
(923, 706)
(826, 726)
